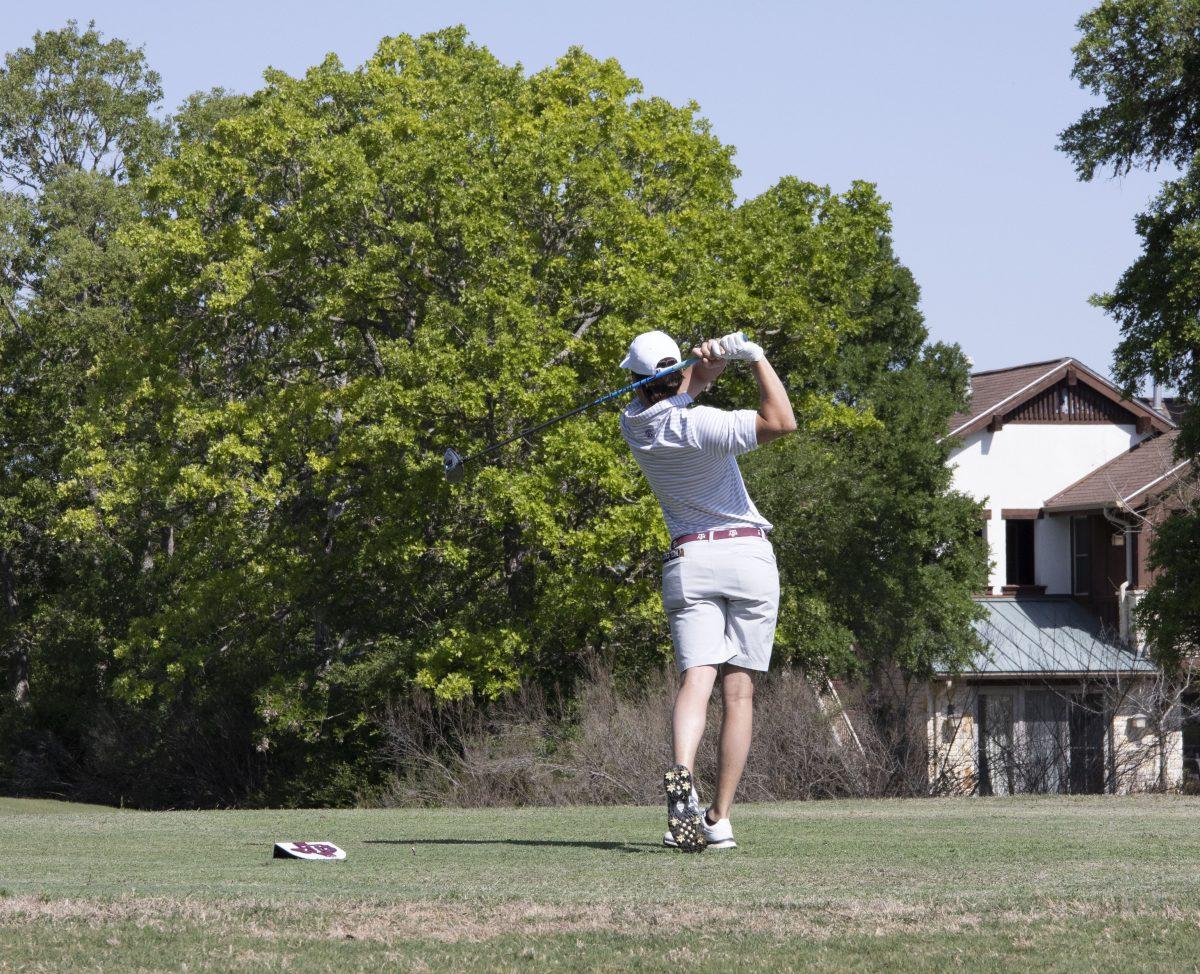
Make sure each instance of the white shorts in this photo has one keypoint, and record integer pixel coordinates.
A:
(722, 600)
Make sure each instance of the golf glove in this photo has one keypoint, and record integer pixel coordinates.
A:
(737, 348)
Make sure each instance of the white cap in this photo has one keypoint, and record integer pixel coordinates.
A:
(648, 349)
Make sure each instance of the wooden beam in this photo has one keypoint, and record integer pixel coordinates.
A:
(1021, 513)
(996, 425)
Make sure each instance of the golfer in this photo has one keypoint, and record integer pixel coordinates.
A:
(720, 586)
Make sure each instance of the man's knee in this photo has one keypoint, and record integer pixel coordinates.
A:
(737, 686)
(698, 679)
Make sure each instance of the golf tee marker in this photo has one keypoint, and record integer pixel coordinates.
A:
(315, 851)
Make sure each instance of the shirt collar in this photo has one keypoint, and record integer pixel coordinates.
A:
(636, 411)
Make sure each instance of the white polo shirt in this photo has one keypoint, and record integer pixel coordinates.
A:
(688, 457)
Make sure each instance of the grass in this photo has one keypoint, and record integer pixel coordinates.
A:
(1054, 884)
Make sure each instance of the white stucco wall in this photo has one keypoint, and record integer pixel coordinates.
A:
(1022, 466)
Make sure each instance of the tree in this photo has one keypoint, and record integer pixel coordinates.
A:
(75, 126)
(248, 356)
(1142, 57)
(347, 272)
(868, 523)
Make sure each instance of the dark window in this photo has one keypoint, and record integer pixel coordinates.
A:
(1081, 555)
(1048, 746)
(1191, 736)
(997, 770)
(1086, 721)
(1020, 552)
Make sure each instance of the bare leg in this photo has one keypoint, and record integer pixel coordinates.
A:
(737, 725)
(691, 707)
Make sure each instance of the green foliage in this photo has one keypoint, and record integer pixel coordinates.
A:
(73, 127)
(1143, 58)
(74, 101)
(1170, 609)
(880, 555)
(1156, 300)
(242, 540)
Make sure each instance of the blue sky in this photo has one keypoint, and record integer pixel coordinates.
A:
(952, 108)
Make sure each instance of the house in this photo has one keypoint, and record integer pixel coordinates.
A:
(1073, 477)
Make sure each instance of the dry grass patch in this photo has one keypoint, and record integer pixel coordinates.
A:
(461, 922)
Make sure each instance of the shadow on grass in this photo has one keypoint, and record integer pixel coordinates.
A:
(603, 846)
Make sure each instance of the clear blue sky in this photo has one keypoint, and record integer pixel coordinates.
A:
(952, 108)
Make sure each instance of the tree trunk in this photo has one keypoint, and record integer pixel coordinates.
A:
(518, 574)
(18, 652)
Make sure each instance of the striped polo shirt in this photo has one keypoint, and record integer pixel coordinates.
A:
(687, 455)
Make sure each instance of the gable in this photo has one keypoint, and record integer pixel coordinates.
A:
(1067, 403)
(990, 389)
(1035, 393)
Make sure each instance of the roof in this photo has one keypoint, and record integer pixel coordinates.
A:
(1173, 407)
(1047, 637)
(1000, 391)
(989, 389)
(1125, 481)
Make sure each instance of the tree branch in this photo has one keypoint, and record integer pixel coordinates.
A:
(585, 325)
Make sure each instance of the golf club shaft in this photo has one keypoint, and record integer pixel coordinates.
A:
(575, 412)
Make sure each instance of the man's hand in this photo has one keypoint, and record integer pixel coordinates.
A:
(704, 373)
(737, 348)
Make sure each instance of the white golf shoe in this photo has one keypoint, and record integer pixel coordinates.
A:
(718, 836)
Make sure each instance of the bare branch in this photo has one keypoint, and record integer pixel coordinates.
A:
(585, 324)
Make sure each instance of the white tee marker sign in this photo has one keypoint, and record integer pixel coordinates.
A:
(308, 850)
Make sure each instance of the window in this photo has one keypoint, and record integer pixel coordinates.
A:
(1081, 555)
(1019, 539)
(1047, 742)
(997, 769)
(1088, 723)
(1191, 737)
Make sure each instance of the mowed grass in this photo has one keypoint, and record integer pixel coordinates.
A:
(1054, 884)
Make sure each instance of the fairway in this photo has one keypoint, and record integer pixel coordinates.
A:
(1060, 884)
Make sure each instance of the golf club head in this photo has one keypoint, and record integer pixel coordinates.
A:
(453, 465)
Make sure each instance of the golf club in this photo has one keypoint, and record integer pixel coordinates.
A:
(454, 463)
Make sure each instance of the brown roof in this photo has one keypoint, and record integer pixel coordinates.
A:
(989, 389)
(1003, 390)
(1175, 407)
(1125, 481)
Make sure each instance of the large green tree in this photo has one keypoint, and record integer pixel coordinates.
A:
(241, 545)
(881, 555)
(1142, 59)
(354, 270)
(75, 128)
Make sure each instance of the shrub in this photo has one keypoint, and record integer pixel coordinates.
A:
(611, 744)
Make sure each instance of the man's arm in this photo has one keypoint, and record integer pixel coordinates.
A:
(775, 416)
